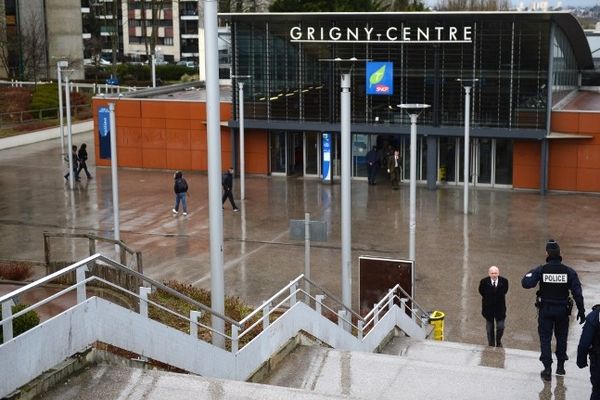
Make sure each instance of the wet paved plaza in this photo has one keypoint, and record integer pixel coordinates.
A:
(504, 228)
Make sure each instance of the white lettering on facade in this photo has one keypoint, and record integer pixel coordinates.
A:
(392, 34)
(388, 33)
(554, 278)
(352, 33)
(296, 33)
(335, 33)
(467, 33)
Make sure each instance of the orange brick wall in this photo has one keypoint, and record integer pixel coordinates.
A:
(574, 164)
(172, 135)
(526, 164)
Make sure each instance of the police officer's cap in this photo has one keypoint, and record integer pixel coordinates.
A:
(552, 248)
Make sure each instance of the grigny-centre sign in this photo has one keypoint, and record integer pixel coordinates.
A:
(393, 34)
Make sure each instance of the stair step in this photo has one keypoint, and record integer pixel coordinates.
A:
(456, 373)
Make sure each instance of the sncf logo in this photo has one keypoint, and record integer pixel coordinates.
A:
(554, 278)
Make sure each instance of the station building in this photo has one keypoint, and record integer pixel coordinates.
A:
(532, 124)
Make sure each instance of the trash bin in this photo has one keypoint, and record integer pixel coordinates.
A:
(436, 319)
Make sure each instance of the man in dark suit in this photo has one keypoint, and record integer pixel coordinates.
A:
(493, 291)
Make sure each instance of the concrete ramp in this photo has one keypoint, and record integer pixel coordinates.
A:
(428, 370)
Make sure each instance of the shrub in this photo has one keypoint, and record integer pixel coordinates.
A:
(15, 271)
(45, 96)
(22, 323)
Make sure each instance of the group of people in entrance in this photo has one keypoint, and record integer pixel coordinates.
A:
(391, 160)
(558, 288)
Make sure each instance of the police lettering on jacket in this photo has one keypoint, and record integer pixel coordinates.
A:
(554, 278)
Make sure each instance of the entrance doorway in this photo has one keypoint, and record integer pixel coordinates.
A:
(490, 161)
(286, 153)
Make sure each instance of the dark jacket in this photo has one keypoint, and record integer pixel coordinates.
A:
(533, 277)
(590, 336)
(227, 181)
(493, 300)
(181, 185)
(82, 154)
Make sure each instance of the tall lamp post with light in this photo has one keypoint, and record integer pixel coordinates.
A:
(59, 65)
(242, 144)
(467, 85)
(67, 73)
(346, 66)
(414, 110)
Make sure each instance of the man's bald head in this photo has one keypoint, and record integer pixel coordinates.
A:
(493, 272)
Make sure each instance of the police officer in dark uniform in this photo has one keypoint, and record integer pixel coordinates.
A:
(589, 343)
(555, 280)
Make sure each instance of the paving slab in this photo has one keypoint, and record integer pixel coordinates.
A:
(507, 228)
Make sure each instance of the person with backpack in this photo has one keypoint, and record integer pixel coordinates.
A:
(227, 183)
(180, 188)
(82, 156)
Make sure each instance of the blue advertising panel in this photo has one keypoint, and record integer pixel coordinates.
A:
(326, 157)
(380, 78)
(104, 132)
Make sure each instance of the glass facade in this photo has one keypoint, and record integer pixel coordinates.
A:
(507, 53)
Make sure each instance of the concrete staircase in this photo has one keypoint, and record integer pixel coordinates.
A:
(410, 369)
(421, 369)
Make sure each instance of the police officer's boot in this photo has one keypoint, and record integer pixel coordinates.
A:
(560, 367)
(546, 373)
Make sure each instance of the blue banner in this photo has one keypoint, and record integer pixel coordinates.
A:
(326, 157)
(380, 78)
(104, 132)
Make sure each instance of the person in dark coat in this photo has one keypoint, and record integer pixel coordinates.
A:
(589, 345)
(227, 183)
(372, 165)
(180, 188)
(75, 164)
(82, 155)
(556, 281)
(493, 291)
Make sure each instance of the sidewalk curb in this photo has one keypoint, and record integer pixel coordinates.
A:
(46, 134)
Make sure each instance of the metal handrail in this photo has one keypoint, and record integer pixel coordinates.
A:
(117, 287)
(271, 299)
(331, 296)
(123, 268)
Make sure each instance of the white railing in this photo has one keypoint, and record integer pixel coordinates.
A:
(292, 309)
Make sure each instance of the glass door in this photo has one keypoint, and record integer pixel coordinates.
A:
(312, 153)
(361, 144)
(447, 150)
(278, 153)
(482, 153)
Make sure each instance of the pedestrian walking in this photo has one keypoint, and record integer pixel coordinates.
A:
(589, 346)
(394, 168)
(493, 291)
(372, 165)
(75, 164)
(554, 305)
(180, 188)
(82, 156)
(227, 183)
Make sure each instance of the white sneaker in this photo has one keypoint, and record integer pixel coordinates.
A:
(174, 211)
(185, 214)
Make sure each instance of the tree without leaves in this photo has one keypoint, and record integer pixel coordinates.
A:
(472, 5)
(33, 42)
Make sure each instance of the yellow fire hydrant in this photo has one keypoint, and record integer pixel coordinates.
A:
(436, 319)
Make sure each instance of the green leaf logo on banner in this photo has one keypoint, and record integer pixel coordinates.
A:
(377, 76)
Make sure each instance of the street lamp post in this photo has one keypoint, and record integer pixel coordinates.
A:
(59, 65)
(413, 110)
(242, 144)
(153, 71)
(467, 86)
(213, 133)
(114, 173)
(69, 130)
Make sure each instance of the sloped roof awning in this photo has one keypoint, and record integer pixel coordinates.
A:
(557, 135)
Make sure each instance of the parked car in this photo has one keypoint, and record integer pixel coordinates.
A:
(189, 64)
